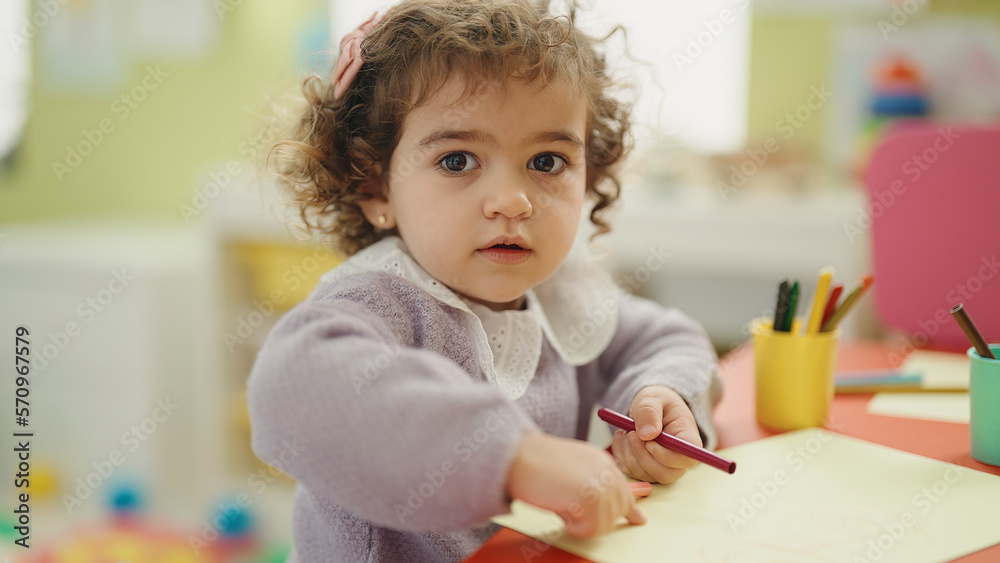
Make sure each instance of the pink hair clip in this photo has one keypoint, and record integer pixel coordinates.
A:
(351, 58)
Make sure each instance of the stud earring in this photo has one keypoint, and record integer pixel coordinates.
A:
(381, 219)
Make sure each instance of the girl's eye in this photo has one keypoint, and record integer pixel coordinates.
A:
(548, 163)
(459, 162)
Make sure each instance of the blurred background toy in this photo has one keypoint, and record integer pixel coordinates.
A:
(227, 535)
(898, 93)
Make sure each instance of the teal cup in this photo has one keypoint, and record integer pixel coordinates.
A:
(984, 392)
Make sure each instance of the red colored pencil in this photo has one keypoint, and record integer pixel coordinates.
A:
(831, 304)
(845, 306)
(671, 442)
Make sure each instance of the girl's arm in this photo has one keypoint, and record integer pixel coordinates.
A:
(402, 437)
(654, 346)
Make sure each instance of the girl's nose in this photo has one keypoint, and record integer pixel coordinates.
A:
(508, 198)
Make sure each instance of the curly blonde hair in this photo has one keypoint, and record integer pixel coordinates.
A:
(340, 144)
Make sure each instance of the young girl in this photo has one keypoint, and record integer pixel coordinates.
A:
(451, 364)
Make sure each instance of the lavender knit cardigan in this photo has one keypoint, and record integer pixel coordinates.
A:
(369, 395)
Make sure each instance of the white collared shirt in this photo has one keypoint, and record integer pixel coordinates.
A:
(576, 309)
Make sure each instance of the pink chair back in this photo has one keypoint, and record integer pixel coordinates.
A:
(934, 195)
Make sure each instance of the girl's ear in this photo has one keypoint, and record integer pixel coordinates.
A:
(376, 208)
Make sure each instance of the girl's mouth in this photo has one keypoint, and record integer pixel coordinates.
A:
(508, 254)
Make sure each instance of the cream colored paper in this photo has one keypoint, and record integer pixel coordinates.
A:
(943, 407)
(940, 370)
(809, 495)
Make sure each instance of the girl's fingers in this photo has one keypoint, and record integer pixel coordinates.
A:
(680, 422)
(620, 451)
(686, 430)
(631, 443)
(634, 516)
(648, 417)
(655, 469)
(641, 489)
(668, 458)
(579, 528)
(616, 450)
(589, 527)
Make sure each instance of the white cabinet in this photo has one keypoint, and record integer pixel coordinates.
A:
(124, 379)
(724, 258)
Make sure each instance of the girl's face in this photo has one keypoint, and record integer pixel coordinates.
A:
(487, 193)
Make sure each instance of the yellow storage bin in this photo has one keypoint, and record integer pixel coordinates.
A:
(285, 274)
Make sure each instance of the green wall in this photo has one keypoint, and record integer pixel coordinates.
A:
(196, 118)
(791, 53)
(788, 56)
(204, 110)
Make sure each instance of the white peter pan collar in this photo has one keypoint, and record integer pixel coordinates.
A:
(576, 309)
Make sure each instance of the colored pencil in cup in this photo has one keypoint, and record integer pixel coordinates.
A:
(831, 303)
(819, 300)
(971, 332)
(781, 310)
(793, 304)
(848, 303)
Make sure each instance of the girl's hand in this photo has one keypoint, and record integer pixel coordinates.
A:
(655, 409)
(574, 479)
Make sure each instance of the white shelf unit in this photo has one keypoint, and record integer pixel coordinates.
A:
(726, 257)
(137, 375)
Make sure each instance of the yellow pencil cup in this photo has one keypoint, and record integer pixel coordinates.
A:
(793, 374)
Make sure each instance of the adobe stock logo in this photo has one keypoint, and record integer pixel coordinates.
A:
(29, 28)
(464, 449)
(788, 125)
(755, 502)
(901, 12)
(913, 168)
(704, 39)
(895, 532)
(122, 106)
